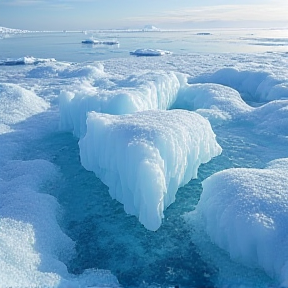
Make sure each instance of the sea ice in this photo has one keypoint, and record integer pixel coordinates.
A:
(254, 86)
(28, 60)
(150, 52)
(32, 244)
(213, 101)
(145, 157)
(148, 90)
(271, 119)
(245, 212)
(99, 42)
(18, 103)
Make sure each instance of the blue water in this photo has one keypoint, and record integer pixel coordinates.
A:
(67, 46)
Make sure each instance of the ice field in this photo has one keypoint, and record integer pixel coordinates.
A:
(164, 170)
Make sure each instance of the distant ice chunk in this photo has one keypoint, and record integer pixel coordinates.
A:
(203, 33)
(214, 101)
(150, 52)
(29, 60)
(11, 30)
(245, 212)
(145, 157)
(150, 28)
(100, 42)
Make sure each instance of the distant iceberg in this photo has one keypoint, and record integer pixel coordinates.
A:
(150, 28)
(150, 52)
(25, 61)
(204, 33)
(99, 42)
(5, 30)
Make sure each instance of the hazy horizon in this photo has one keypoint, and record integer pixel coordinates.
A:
(83, 15)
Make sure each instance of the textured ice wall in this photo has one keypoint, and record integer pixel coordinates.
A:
(245, 212)
(116, 95)
(145, 157)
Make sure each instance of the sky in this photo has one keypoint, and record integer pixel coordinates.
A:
(128, 14)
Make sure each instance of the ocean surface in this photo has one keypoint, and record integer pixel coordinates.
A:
(105, 237)
(66, 46)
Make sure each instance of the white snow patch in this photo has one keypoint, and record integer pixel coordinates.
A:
(17, 104)
(245, 212)
(213, 101)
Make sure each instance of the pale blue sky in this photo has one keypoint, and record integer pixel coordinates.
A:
(107, 14)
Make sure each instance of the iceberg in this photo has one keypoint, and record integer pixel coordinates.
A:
(145, 157)
(150, 52)
(245, 212)
(28, 60)
(99, 42)
(150, 28)
(6, 30)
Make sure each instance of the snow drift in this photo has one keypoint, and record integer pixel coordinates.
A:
(245, 212)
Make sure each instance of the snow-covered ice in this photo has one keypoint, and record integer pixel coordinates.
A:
(214, 101)
(116, 95)
(145, 127)
(145, 157)
(150, 52)
(99, 42)
(245, 212)
(28, 60)
(18, 103)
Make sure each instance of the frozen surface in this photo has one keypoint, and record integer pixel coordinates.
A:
(145, 157)
(29, 227)
(53, 210)
(245, 213)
